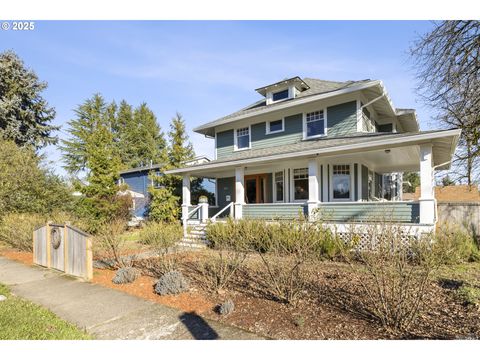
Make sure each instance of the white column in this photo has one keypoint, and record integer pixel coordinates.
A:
(313, 181)
(325, 182)
(239, 191)
(427, 200)
(185, 195)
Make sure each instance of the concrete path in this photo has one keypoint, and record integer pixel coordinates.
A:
(107, 313)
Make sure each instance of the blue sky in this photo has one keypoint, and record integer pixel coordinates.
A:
(206, 69)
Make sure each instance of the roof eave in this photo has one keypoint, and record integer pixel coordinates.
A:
(376, 143)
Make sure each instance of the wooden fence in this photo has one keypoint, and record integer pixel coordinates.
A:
(65, 248)
(464, 214)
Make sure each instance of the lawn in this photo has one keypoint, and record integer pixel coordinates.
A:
(23, 320)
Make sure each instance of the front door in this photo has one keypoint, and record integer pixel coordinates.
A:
(255, 188)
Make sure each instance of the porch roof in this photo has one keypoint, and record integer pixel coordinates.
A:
(443, 142)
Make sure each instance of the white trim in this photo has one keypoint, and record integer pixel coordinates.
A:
(216, 145)
(304, 125)
(372, 145)
(352, 183)
(267, 126)
(359, 181)
(235, 148)
(274, 187)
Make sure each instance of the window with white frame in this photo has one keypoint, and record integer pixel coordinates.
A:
(242, 138)
(275, 126)
(280, 95)
(341, 182)
(300, 184)
(279, 186)
(314, 124)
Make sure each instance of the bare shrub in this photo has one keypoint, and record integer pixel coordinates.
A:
(16, 230)
(162, 238)
(394, 275)
(172, 283)
(291, 247)
(231, 250)
(109, 242)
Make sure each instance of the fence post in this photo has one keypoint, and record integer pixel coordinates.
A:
(65, 247)
(48, 241)
(89, 258)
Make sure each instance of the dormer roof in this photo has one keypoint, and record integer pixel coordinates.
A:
(299, 84)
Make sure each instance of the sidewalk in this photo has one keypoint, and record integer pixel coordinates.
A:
(106, 313)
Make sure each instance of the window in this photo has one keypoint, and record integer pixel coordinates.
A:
(242, 138)
(341, 182)
(275, 126)
(280, 95)
(279, 186)
(314, 124)
(300, 183)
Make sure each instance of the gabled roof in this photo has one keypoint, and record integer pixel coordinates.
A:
(297, 81)
(317, 89)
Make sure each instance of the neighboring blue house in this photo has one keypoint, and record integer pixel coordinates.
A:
(138, 182)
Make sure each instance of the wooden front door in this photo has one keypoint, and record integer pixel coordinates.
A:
(255, 188)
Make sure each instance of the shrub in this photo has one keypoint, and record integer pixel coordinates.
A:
(163, 237)
(393, 276)
(109, 242)
(453, 245)
(172, 283)
(470, 295)
(16, 230)
(126, 275)
(163, 205)
(226, 308)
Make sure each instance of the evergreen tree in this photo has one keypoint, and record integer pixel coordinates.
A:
(24, 114)
(181, 149)
(88, 117)
(410, 182)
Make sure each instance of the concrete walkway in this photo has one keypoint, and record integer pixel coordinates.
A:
(107, 313)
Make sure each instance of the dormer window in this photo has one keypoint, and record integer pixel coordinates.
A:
(280, 95)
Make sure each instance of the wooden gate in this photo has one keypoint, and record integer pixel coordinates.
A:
(64, 248)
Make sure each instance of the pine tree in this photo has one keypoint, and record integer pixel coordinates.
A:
(24, 114)
(181, 149)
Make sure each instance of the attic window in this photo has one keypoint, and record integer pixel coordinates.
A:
(280, 95)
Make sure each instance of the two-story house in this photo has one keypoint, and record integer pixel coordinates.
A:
(340, 147)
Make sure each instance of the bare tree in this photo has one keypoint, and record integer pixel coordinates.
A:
(447, 60)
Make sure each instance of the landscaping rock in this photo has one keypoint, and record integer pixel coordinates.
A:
(172, 283)
(126, 275)
(3, 298)
(226, 307)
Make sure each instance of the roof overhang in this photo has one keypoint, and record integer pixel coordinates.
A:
(443, 143)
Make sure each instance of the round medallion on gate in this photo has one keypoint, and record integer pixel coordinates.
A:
(55, 237)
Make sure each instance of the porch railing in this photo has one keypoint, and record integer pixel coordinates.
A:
(229, 206)
(274, 211)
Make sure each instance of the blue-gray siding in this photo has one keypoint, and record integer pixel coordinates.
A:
(396, 212)
(273, 211)
(341, 120)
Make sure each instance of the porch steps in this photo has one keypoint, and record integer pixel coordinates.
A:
(196, 235)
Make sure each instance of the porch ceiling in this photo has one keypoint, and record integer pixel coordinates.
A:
(403, 155)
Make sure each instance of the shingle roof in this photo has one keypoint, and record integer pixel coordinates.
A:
(316, 87)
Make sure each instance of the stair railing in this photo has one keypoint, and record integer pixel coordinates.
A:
(229, 206)
(185, 219)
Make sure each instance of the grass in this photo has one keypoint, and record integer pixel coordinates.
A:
(469, 295)
(23, 320)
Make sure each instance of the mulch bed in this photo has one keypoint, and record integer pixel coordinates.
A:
(327, 312)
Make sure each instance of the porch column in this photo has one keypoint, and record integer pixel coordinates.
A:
(239, 191)
(185, 195)
(313, 181)
(427, 199)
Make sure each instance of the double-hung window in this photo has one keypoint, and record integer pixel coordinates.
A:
(279, 187)
(341, 182)
(314, 124)
(242, 137)
(300, 184)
